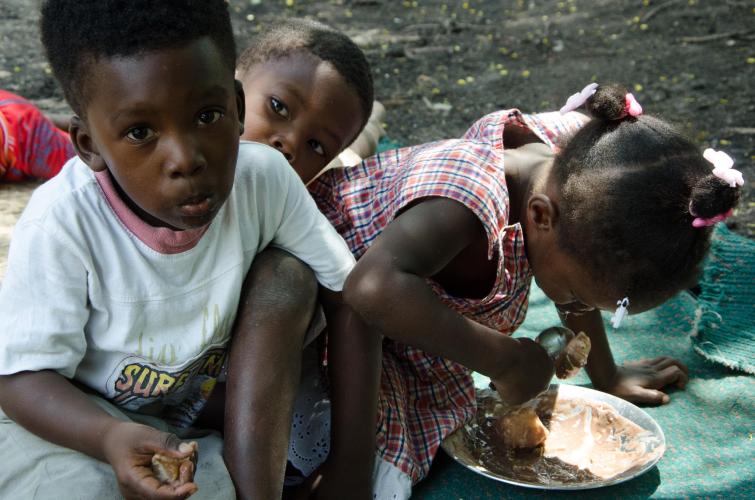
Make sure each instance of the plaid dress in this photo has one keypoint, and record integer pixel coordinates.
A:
(424, 398)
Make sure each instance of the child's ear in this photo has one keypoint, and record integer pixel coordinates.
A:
(542, 212)
(240, 105)
(84, 145)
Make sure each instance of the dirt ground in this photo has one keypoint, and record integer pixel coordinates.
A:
(440, 65)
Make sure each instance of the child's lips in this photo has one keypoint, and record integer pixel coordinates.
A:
(196, 206)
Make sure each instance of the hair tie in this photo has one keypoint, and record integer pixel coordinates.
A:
(576, 100)
(722, 167)
(631, 106)
(702, 222)
(621, 310)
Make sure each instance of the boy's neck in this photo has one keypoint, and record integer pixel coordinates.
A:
(527, 170)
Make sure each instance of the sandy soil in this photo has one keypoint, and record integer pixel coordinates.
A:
(13, 199)
(439, 65)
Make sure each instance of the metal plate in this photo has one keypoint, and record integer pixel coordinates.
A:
(455, 444)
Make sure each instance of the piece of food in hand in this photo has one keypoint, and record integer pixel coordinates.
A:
(168, 469)
(574, 357)
(521, 428)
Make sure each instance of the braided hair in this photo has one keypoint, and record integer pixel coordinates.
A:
(630, 188)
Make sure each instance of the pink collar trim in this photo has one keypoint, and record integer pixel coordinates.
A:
(159, 239)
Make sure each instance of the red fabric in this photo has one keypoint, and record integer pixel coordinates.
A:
(31, 147)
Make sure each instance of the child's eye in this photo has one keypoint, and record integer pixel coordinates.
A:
(279, 107)
(140, 134)
(317, 147)
(209, 117)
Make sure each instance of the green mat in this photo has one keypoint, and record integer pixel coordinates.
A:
(708, 425)
(726, 328)
(385, 144)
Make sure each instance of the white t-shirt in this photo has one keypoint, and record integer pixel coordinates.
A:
(148, 328)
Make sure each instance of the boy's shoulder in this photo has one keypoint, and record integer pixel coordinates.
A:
(261, 167)
(255, 156)
(73, 186)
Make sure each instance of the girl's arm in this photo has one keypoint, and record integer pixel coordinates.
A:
(48, 405)
(61, 121)
(638, 381)
(354, 362)
(388, 289)
(389, 292)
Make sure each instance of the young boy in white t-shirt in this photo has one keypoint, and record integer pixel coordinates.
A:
(126, 270)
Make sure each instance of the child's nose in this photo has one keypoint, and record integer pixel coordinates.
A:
(287, 146)
(184, 158)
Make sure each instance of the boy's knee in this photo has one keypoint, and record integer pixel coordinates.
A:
(279, 279)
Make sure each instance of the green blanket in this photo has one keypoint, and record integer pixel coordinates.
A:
(726, 329)
(708, 425)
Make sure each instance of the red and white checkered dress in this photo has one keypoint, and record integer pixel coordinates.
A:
(424, 398)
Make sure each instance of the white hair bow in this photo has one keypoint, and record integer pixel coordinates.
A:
(722, 167)
(578, 99)
(621, 311)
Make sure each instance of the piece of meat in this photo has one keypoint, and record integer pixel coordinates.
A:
(521, 428)
(168, 469)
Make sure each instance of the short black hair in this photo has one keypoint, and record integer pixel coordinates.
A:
(282, 38)
(77, 33)
(630, 189)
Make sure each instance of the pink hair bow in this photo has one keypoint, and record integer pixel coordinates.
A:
(578, 99)
(633, 107)
(700, 222)
(722, 167)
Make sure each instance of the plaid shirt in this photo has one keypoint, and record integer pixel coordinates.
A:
(424, 398)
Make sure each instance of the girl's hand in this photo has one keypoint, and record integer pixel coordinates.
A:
(529, 377)
(641, 381)
(129, 448)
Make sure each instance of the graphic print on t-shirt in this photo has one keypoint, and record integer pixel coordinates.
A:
(176, 394)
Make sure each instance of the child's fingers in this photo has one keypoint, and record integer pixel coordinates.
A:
(671, 375)
(663, 362)
(186, 473)
(147, 440)
(647, 396)
(170, 445)
(169, 492)
(143, 484)
(185, 490)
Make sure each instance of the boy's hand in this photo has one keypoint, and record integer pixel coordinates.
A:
(641, 381)
(129, 448)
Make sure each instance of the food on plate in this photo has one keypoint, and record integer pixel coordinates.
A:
(521, 428)
(576, 437)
